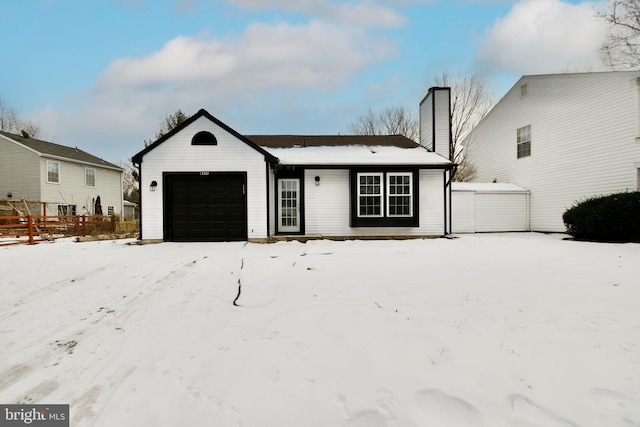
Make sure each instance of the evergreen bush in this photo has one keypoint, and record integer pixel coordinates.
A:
(613, 218)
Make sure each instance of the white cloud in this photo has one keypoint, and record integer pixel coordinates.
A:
(542, 36)
(266, 57)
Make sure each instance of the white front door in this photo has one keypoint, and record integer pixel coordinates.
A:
(289, 205)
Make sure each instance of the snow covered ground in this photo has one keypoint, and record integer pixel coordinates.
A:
(481, 330)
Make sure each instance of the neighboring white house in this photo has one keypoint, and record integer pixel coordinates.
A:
(68, 181)
(562, 137)
(206, 182)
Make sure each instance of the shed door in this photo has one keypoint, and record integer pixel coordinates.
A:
(205, 207)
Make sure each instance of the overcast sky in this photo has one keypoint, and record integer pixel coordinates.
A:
(100, 74)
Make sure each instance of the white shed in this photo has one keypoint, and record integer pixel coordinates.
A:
(489, 207)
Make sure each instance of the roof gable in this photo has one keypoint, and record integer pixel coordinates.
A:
(137, 158)
(598, 77)
(58, 151)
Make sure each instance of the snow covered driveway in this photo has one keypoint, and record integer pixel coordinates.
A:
(481, 330)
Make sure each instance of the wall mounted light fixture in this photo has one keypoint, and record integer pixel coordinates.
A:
(153, 186)
(317, 181)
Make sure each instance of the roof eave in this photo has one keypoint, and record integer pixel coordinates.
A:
(81, 162)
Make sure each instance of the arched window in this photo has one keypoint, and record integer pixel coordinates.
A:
(204, 138)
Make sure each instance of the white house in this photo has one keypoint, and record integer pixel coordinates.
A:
(562, 137)
(206, 182)
(65, 180)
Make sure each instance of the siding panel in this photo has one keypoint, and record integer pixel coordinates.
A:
(495, 212)
(19, 172)
(327, 206)
(463, 211)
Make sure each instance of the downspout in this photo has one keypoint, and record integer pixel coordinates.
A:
(122, 195)
(139, 167)
(448, 186)
(268, 182)
(444, 200)
(528, 211)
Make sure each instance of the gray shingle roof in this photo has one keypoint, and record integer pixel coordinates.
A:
(290, 141)
(51, 149)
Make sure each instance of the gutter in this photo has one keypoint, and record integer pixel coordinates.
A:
(447, 185)
(139, 167)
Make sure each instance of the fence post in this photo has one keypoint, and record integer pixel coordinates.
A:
(30, 225)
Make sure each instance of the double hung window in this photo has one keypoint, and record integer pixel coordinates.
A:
(524, 141)
(53, 172)
(370, 195)
(384, 199)
(89, 177)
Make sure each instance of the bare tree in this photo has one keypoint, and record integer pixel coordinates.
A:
(167, 124)
(621, 49)
(391, 121)
(470, 102)
(10, 122)
(130, 189)
(130, 178)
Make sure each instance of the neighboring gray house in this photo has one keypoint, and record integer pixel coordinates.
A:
(66, 180)
(206, 182)
(562, 137)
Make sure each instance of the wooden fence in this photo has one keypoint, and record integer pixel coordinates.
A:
(32, 229)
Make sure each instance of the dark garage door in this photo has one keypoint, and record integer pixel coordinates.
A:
(205, 207)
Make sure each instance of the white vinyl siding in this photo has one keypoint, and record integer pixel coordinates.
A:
(584, 129)
(435, 121)
(327, 206)
(73, 191)
(463, 212)
(20, 172)
(500, 212)
(426, 123)
(178, 155)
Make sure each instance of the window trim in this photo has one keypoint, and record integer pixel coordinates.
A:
(385, 220)
(389, 195)
(379, 195)
(112, 209)
(95, 173)
(523, 146)
(52, 162)
(294, 173)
